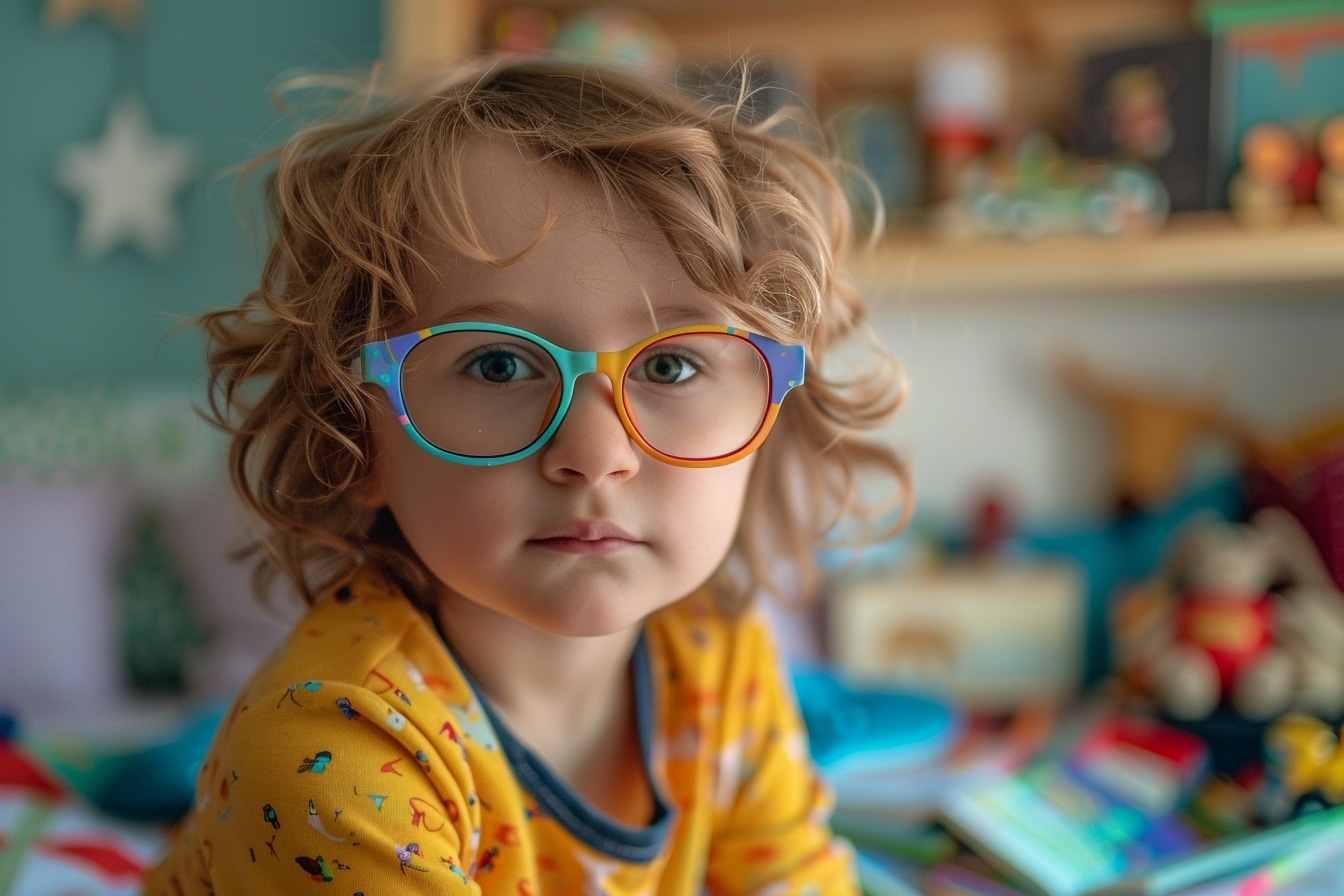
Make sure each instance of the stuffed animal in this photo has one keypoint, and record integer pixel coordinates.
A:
(1245, 616)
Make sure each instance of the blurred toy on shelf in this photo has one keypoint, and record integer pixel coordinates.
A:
(523, 29)
(1150, 103)
(1242, 617)
(1307, 175)
(1154, 428)
(617, 34)
(761, 87)
(1304, 768)
(1031, 189)
(877, 590)
(961, 103)
(1111, 552)
(1330, 184)
(1280, 62)
(1261, 193)
(880, 141)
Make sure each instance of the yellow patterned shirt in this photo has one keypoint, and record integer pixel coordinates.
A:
(361, 760)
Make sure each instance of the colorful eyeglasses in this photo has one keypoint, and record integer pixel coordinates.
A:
(485, 394)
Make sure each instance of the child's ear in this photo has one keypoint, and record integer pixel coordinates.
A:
(367, 494)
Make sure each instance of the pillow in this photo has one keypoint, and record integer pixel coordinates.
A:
(177, 461)
(61, 543)
(204, 526)
(54, 846)
(116, 515)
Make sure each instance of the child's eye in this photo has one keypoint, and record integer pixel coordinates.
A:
(665, 368)
(500, 366)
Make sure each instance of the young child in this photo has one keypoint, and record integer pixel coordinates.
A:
(529, 665)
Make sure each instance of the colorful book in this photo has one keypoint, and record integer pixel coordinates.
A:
(879, 876)
(1262, 862)
(1056, 833)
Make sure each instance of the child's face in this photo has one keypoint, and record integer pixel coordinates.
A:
(588, 535)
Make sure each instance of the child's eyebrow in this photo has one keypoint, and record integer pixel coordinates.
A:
(665, 317)
(490, 311)
(647, 315)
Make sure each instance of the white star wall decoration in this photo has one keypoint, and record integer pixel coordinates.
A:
(126, 182)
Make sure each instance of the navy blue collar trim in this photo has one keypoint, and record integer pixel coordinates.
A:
(558, 800)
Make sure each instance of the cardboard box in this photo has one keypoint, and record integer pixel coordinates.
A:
(992, 635)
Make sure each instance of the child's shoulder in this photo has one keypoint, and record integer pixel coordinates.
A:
(352, 628)
(362, 650)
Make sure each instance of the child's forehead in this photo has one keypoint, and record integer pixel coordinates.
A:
(563, 238)
(495, 194)
(514, 206)
(508, 193)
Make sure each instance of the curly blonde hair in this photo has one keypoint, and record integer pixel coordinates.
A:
(760, 220)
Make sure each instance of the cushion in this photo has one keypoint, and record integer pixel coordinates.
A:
(61, 542)
(52, 845)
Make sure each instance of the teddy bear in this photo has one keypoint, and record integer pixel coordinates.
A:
(1244, 616)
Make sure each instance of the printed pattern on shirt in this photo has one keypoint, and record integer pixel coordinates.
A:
(360, 760)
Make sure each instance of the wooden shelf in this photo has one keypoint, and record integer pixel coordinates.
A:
(874, 45)
(1204, 253)
(848, 46)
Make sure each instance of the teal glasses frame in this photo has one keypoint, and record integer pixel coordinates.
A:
(380, 363)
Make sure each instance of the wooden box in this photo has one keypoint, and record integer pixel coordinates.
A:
(991, 636)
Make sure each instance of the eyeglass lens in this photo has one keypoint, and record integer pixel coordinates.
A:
(483, 394)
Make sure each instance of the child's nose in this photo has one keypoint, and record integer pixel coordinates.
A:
(591, 443)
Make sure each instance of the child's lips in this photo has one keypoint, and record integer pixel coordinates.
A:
(586, 537)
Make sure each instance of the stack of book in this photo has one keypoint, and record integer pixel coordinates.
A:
(1089, 805)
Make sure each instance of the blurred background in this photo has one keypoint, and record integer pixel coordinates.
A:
(1108, 249)
(984, 278)
(204, 75)
(118, 221)
(1109, 252)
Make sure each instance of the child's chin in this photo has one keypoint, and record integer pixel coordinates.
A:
(596, 621)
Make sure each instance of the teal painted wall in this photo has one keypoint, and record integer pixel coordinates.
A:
(206, 70)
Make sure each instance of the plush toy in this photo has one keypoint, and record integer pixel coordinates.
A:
(1245, 616)
(1304, 768)
(524, 30)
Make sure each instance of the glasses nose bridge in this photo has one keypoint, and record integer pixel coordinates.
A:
(578, 364)
(613, 365)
